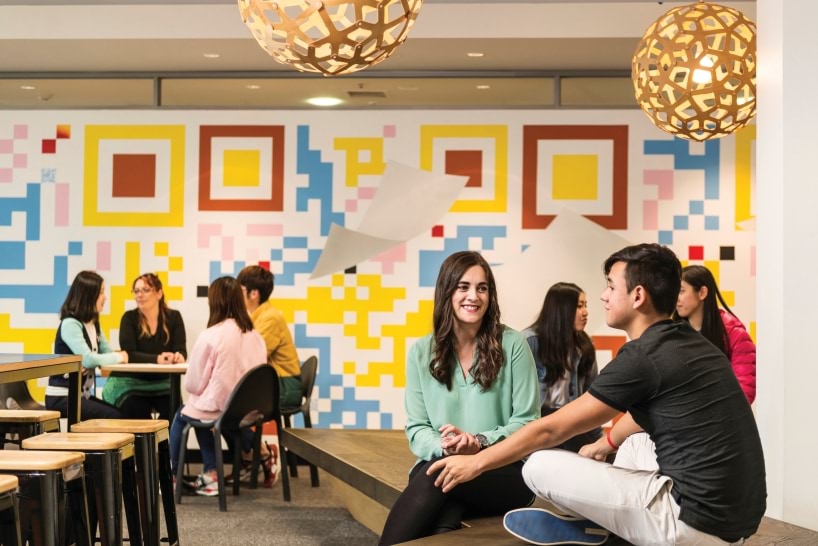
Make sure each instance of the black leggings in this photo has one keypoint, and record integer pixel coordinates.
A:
(90, 408)
(142, 406)
(423, 509)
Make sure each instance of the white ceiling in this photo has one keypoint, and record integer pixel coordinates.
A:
(81, 39)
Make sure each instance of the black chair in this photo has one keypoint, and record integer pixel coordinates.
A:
(19, 391)
(309, 369)
(250, 404)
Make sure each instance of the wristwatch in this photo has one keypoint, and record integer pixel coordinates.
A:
(482, 441)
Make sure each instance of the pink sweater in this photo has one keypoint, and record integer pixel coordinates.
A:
(742, 353)
(220, 358)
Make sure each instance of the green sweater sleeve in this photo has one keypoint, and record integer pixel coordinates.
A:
(525, 394)
(424, 438)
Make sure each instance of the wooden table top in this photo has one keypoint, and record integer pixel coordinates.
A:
(137, 367)
(13, 361)
(376, 462)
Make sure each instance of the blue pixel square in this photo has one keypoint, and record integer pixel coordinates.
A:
(680, 222)
(697, 207)
(711, 223)
(665, 237)
(14, 255)
(295, 242)
(276, 255)
(75, 248)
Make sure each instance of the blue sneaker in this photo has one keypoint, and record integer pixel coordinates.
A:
(539, 526)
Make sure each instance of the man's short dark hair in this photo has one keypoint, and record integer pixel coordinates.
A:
(254, 277)
(656, 268)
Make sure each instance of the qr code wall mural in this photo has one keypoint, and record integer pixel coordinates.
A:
(191, 196)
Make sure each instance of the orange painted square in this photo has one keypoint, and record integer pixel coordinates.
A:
(134, 175)
(466, 163)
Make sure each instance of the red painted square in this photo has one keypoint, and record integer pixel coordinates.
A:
(533, 135)
(437, 231)
(63, 131)
(49, 146)
(466, 163)
(695, 253)
(264, 265)
(134, 175)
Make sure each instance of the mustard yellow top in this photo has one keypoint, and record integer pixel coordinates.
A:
(269, 322)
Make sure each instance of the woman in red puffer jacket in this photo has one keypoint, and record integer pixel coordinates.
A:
(698, 304)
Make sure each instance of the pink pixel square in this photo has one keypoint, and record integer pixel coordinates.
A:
(366, 193)
(21, 131)
(6, 146)
(663, 180)
(352, 205)
(20, 161)
(389, 131)
(5, 175)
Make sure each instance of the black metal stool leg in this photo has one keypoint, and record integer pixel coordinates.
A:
(145, 452)
(105, 476)
(76, 506)
(131, 501)
(166, 483)
(9, 520)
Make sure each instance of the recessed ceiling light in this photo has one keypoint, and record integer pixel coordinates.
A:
(324, 101)
(475, 54)
(211, 55)
(253, 86)
(483, 87)
(28, 87)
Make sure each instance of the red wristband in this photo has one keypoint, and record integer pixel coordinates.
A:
(610, 442)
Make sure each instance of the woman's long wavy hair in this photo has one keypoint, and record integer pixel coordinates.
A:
(712, 325)
(557, 339)
(81, 301)
(152, 281)
(226, 300)
(489, 346)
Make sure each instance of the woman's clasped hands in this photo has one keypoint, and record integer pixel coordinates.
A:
(456, 442)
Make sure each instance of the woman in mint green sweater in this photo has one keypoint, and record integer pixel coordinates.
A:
(469, 384)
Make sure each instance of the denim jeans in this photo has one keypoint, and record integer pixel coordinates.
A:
(207, 444)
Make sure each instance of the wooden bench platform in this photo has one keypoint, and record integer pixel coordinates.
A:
(371, 467)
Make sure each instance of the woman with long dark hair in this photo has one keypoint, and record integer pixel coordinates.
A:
(222, 355)
(152, 332)
(469, 384)
(563, 353)
(79, 334)
(699, 300)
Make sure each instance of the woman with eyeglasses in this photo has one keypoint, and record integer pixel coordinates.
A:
(79, 334)
(150, 333)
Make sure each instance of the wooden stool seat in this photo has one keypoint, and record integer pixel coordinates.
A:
(8, 483)
(39, 460)
(134, 426)
(74, 441)
(28, 416)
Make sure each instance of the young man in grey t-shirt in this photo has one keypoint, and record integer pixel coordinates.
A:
(705, 481)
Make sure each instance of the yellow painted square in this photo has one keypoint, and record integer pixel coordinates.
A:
(95, 135)
(161, 249)
(575, 177)
(242, 168)
(175, 263)
(349, 368)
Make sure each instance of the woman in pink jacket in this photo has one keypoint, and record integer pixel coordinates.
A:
(223, 353)
(697, 304)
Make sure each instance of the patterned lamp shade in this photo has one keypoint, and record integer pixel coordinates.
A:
(330, 37)
(694, 71)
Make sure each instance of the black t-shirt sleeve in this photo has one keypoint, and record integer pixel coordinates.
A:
(628, 379)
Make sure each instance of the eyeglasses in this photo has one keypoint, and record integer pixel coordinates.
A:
(146, 290)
